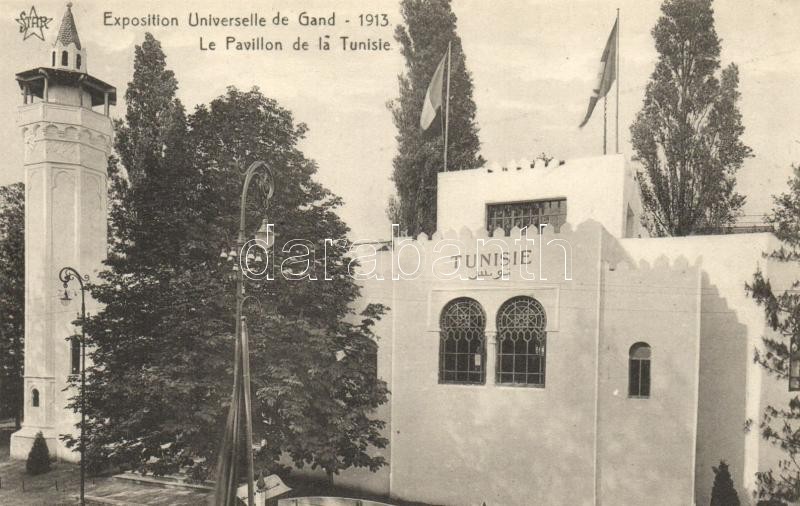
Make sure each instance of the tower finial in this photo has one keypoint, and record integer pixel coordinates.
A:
(67, 32)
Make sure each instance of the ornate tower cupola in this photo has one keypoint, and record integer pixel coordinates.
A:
(67, 50)
(66, 80)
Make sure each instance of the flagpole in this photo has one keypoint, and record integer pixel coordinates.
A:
(617, 68)
(447, 107)
(605, 111)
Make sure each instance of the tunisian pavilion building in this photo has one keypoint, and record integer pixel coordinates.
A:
(586, 365)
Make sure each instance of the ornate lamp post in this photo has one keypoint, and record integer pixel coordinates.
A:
(66, 275)
(227, 467)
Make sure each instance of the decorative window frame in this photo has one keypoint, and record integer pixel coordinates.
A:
(560, 218)
(491, 297)
(499, 355)
(478, 358)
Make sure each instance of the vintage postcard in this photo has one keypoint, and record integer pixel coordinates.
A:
(400, 252)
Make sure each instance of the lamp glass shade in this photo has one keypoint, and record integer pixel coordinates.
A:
(263, 234)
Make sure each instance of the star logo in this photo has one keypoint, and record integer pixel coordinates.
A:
(32, 24)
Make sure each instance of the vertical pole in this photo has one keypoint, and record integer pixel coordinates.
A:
(83, 393)
(605, 111)
(447, 107)
(105, 103)
(244, 357)
(247, 410)
(617, 70)
(233, 470)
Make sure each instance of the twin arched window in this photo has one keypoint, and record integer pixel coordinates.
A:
(521, 339)
(462, 342)
(639, 370)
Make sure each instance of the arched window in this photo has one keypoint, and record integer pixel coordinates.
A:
(639, 370)
(521, 342)
(64, 58)
(35, 398)
(77, 61)
(794, 366)
(54, 59)
(462, 342)
(75, 354)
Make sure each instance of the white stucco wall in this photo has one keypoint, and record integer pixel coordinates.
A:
(598, 188)
(732, 388)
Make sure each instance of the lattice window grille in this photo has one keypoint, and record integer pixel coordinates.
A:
(462, 343)
(521, 342)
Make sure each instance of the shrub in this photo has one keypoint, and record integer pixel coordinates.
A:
(723, 493)
(39, 456)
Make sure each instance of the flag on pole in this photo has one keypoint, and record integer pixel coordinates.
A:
(606, 75)
(433, 97)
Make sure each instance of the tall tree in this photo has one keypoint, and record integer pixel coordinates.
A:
(12, 299)
(687, 134)
(314, 378)
(780, 425)
(162, 347)
(429, 26)
(156, 351)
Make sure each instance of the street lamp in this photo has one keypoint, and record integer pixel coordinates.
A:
(229, 452)
(66, 275)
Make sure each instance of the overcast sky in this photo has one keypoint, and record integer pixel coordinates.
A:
(533, 64)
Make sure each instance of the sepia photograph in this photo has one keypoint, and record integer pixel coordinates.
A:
(400, 253)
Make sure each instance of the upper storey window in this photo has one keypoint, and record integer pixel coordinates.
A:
(530, 214)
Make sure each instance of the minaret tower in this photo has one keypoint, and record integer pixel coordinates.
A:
(67, 137)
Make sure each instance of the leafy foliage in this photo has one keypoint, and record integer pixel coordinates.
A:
(162, 348)
(723, 492)
(429, 25)
(311, 405)
(39, 456)
(687, 134)
(12, 299)
(779, 425)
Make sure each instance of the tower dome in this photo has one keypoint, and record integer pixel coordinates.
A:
(67, 52)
